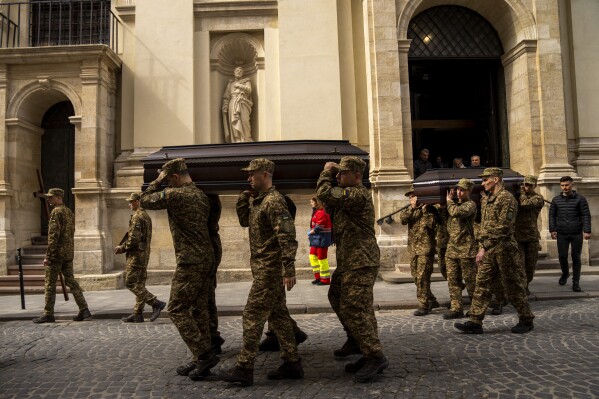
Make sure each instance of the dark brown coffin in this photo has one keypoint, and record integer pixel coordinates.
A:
(216, 168)
(431, 187)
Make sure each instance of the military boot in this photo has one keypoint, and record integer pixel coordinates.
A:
(44, 319)
(300, 337)
(523, 327)
(82, 315)
(453, 315)
(217, 343)
(356, 365)
(270, 343)
(207, 361)
(433, 305)
(157, 307)
(469, 327)
(576, 287)
(133, 318)
(421, 312)
(371, 368)
(287, 371)
(186, 369)
(497, 309)
(238, 374)
(350, 347)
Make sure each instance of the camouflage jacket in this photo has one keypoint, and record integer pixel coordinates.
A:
(352, 214)
(498, 217)
(61, 234)
(442, 236)
(460, 227)
(213, 227)
(529, 207)
(272, 234)
(139, 235)
(187, 208)
(422, 226)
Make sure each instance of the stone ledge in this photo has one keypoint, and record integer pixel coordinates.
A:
(101, 282)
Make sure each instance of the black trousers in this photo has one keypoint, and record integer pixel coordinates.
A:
(563, 242)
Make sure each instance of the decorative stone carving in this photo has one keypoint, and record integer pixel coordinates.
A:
(237, 108)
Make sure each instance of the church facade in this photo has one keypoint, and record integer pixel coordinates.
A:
(88, 90)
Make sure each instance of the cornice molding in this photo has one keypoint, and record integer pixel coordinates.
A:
(525, 46)
(234, 8)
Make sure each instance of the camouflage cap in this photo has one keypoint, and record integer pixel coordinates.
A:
(352, 163)
(530, 179)
(174, 166)
(134, 197)
(465, 184)
(492, 172)
(410, 191)
(262, 164)
(55, 192)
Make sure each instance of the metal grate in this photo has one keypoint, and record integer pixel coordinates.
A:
(452, 32)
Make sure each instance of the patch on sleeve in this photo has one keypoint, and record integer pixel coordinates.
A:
(337, 192)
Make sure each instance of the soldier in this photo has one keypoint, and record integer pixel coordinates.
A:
(422, 223)
(461, 249)
(213, 229)
(527, 234)
(358, 262)
(188, 210)
(59, 257)
(495, 258)
(441, 238)
(273, 247)
(136, 245)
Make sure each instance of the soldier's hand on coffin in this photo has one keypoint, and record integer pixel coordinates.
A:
(331, 166)
(413, 201)
(162, 176)
(450, 194)
(289, 282)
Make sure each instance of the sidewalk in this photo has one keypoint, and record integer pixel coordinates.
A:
(304, 298)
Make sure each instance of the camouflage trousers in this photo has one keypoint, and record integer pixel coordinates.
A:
(421, 267)
(500, 264)
(266, 301)
(442, 261)
(351, 297)
(66, 268)
(529, 254)
(188, 306)
(136, 274)
(212, 310)
(458, 270)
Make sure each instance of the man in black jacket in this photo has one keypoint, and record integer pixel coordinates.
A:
(569, 222)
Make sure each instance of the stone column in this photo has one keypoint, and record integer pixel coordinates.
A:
(7, 241)
(390, 134)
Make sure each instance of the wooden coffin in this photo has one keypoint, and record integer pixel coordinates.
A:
(216, 168)
(431, 187)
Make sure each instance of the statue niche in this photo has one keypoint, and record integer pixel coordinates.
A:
(237, 108)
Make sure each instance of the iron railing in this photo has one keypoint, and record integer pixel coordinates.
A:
(58, 23)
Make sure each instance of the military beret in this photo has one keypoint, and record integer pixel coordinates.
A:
(262, 164)
(492, 172)
(58, 192)
(530, 179)
(352, 163)
(410, 191)
(465, 184)
(134, 197)
(174, 166)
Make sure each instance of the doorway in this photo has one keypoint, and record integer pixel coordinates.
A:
(58, 154)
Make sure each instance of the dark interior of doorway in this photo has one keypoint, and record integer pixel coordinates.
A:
(458, 110)
(58, 154)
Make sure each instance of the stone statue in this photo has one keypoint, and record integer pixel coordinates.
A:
(237, 107)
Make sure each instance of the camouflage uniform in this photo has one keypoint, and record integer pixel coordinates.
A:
(499, 263)
(441, 239)
(358, 257)
(422, 225)
(272, 244)
(461, 249)
(188, 209)
(527, 231)
(213, 228)
(61, 248)
(137, 248)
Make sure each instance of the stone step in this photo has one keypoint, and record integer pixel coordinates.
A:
(28, 290)
(34, 250)
(30, 270)
(29, 281)
(39, 240)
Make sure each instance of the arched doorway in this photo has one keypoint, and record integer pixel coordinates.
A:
(58, 153)
(457, 92)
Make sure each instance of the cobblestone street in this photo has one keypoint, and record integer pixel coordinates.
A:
(428, 359)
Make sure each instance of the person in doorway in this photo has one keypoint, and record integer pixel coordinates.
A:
(422, 164)
(458, 164)
(320, 240)
(59, 258)
(439, 164)
(569, 223)
(136, 246)
(475, 161)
